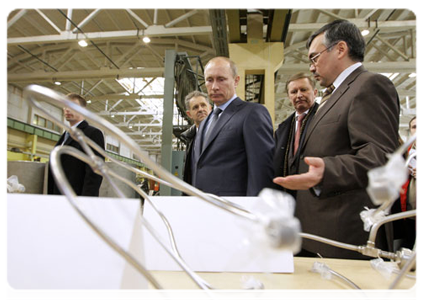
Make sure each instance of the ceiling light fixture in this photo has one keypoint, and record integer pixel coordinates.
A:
(83, 43)
(57, 83)
(146, 39)
(365, 32)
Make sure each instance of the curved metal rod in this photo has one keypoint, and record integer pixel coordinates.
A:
(407, 267)
(100, 168)
(410, 157)
(198, 280)
(330, 242)
(387, 219)
(342, 277)
(166, 177)
(404, 147)
(50, 96)
(323, 268)
(66, 189)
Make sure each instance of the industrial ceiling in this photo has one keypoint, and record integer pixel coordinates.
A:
(123, 76)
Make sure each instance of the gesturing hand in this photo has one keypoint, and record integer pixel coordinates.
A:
(306, 180)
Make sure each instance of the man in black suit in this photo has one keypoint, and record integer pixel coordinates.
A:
(233, 149)
(197, 108)
(81, 177)
(301, 90)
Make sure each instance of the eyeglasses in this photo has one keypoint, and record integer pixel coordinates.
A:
(313, 59)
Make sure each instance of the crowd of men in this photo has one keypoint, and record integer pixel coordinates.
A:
(320, 154)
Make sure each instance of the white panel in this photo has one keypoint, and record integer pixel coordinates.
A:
(211, 239)
(51, 247)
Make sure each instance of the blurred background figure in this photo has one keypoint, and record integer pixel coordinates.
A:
(405, 230)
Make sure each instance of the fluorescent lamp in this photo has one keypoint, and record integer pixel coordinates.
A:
(83, 43)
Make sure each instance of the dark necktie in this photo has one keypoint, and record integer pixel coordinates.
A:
(65, 137)
(212, 123)
(326, 96)
(298, 132)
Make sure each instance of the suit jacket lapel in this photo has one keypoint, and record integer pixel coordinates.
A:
(226, 115)
(80, 126)
(199, 137)
(331, 101)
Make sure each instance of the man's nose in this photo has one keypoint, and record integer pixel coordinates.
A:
(215, 86)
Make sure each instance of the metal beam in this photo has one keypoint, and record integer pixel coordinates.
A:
(220, 38)
(125, 124)
(124, 97)
(181, 18)
(279, 25)
(362, 24)
(234, 26)
(16, 17)
(48, 20)
(41, 76)
(126, 113)
(169, 86)
(151, 31)
(392, 47)
(383, 67)
(86, 20)
(137, 18)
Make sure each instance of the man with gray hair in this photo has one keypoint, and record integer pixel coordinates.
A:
(352, 132)
(197, 108)
(301, 90)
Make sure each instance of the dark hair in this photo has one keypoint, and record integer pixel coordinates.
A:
(342, 30)
(409, 123)
(192, 95)
(300, 75)
(75, 96)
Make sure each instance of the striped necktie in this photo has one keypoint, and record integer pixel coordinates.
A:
(326, 96)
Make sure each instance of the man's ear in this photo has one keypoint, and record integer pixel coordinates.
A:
(342, 49)
(237, 78)
(189, 114)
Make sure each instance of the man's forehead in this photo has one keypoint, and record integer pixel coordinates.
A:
(198, 99)
(317, 41)
(299, 82)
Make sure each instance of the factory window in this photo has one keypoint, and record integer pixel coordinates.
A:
(44, 123)
(112, 148)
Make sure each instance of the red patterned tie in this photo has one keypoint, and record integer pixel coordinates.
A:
(298, 132)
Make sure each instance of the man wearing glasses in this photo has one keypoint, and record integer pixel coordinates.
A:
(352, 132)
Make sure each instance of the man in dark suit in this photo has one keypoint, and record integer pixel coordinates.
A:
(81, 177)
(289, 136)
(351, 133)
(234, 145)
(197, 108)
